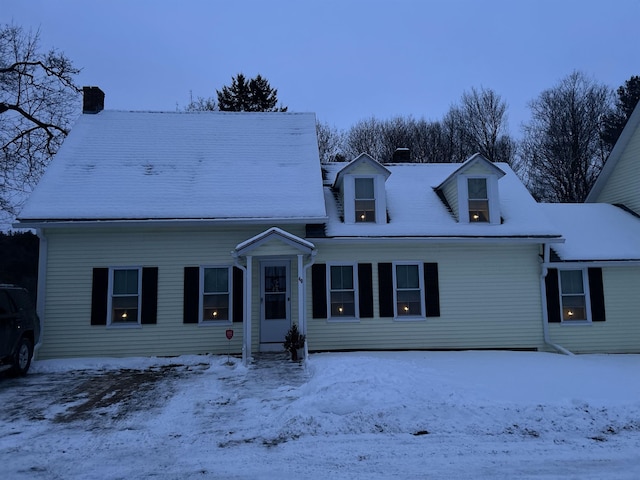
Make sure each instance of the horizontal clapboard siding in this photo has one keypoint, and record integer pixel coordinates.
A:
(489, 298)
(622, 185)
(621, 331)
(72, 256)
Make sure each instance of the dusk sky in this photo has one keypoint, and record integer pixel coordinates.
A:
(345, 60)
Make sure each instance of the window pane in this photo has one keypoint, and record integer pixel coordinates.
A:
(342, 278)
(275, 306)
(125, 282)
(408, 302)
(364, 188)
(365, 210)
(407, 276)
(573, 307)
(216, 280)
(275, 279)
(478, 210)
(571, 281)
(343, 304)
(477, 188)
(124, 309)
(215, 307)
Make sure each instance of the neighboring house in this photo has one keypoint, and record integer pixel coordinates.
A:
(161, 231)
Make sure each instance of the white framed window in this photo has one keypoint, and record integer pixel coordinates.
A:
(478, 197)
(408, 290)
(125, 285)
(215, 295)
(342, 292)
(573, 298)
(365, 199)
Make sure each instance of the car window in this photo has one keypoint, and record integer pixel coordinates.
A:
(6, 305)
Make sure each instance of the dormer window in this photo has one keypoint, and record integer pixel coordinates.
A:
(365, 200)
(478, 200)
(361, 187)
(471, 191)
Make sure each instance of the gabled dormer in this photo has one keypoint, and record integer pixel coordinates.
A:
(472, 191)
(361, 188)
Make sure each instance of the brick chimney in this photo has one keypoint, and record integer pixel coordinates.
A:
(402, 155)
(93, 100)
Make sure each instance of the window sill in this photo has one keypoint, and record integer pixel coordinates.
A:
(575, 322)
(409, 319)
(125, 326)
(214, 323)
(343, 320)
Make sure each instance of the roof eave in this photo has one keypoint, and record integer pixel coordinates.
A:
(164, 222)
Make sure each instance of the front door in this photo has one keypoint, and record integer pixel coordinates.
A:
(275, 299)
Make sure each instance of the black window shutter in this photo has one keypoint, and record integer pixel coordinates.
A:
(596, 293)
(385, 289)
(553, 295)
(99, 293)
(238, 295)
(191, 298)
(149, 312)
(365, 290)
(431, 290)
(319, 290)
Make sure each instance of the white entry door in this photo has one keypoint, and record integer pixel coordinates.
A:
(275, 301)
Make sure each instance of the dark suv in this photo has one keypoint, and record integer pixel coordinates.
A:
(19, 329)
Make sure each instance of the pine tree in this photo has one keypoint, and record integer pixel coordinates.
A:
(255, 95)
(614, 122)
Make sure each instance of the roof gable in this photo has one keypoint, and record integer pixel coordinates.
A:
(474, 165)
(362, 164)
(277, 235)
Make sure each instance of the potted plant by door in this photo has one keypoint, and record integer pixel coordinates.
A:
(294, 341)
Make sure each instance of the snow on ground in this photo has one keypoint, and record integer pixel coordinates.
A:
(480, 415)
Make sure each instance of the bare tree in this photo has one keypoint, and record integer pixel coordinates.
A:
(562, 150)
(330, 143)
(365, 137)
(201, 104)
(38, 99)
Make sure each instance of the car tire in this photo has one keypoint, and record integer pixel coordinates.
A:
(22, 359)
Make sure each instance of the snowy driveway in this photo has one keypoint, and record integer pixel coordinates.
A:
(360, 415)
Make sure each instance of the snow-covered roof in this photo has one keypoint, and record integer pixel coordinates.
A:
(119, 165)
(594, 231)
(415, 209)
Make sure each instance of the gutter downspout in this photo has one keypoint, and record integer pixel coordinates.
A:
(43, 250)
(545, 316)
(304, 315)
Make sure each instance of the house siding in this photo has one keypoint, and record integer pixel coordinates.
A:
(72, 255)
(622, 185)
(620, 333)
(451, 194)
(489, 298)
